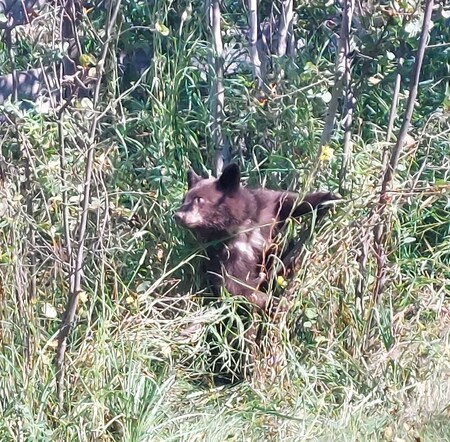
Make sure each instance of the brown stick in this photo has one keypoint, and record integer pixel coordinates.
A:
(253, 37)
(380, 229)
(286, 17)
(340, 71)
(348, 125)
(75, 280)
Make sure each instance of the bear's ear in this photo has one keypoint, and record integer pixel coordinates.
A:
(230, 180)
(192, 178)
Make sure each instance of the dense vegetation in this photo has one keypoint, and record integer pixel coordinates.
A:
(103, 332)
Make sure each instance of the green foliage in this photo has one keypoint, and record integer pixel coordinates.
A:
(146, 340)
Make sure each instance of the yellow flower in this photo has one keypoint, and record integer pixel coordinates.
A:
(130, 300)
(327, 153)
(87, 60)
(281, 281)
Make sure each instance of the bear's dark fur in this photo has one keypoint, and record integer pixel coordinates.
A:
(242, 223)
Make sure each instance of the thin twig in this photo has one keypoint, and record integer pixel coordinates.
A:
(350, 102)
(380, 229)
(253, 40)
(394, 104)
(342, 65)
(75, 281)
(63, 175)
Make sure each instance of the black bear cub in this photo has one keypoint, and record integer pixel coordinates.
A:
(241, 223)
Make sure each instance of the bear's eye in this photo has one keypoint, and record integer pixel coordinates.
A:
(199, 200)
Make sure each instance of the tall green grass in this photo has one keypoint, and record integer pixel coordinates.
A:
(144, 348)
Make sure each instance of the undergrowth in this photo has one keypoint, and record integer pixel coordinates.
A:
(146, 345)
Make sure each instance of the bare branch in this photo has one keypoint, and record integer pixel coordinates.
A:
(75, 280)
(217, 91)
(286, 19)
(389, 175)
(253, 37)
(342, 67)
(380, 229)
(393, 110)
(350, 102)
(394, 104)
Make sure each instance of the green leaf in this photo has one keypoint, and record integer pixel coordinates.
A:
(311, 313)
